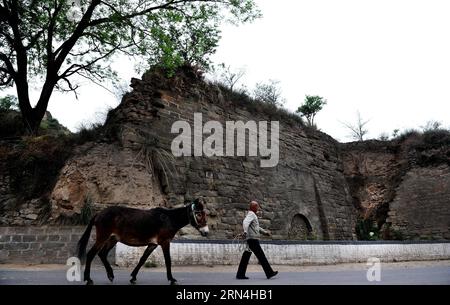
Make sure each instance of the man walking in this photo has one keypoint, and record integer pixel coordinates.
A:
(251, 233)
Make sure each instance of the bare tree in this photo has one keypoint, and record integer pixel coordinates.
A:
(384, 136)
(431, 125)
(358, 130)
(229, 76)
(269, 92)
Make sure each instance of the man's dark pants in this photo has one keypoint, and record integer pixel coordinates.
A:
(254, 245)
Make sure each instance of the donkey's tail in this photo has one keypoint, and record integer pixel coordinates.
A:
(82, 243)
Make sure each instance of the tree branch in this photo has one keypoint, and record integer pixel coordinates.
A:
(22, 60)
(71, 87)
(169, 5)
(93, 79)
(65, 48)
(50, 33)
(69, 72)
(9, 67)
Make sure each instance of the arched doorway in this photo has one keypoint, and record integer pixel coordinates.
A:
(300, 228)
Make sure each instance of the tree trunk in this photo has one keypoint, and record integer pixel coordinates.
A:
(33, 121)
(28, 120)
(32, 117)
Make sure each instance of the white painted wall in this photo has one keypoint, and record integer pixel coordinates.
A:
(192, 253)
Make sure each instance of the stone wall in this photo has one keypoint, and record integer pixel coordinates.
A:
(319, 190)
(307, 184)
(14, 210)
(402, 185)
(421, 208)
(41, 244)
(29, 167)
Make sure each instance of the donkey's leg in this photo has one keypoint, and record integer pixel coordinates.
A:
(90, 256)
(103, 254)
(102, 236)
(142, 261)
(166, 250)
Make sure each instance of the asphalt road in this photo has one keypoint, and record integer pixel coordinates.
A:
(436, 273)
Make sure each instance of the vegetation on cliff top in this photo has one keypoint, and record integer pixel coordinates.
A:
(61, 42)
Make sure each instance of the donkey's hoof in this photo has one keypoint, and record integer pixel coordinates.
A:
(173, 282)
(133, 281)
(89, 282)
(111, 278)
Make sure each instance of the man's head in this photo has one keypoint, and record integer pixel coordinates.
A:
(254, 206)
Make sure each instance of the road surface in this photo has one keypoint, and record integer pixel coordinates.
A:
(410, 273)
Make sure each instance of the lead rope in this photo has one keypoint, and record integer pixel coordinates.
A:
(239, 242)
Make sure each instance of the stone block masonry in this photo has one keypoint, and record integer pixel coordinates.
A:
(392, 186)
(54, 245)
(304, 197)
(320, 189)
(41, 245)
(421, 209)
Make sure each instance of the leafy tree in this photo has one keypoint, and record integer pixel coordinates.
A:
(269, 92)
(8, 102)
(60, 42)
(312, 105)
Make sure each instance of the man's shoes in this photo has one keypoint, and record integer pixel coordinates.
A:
(272, 274)
(243, 277)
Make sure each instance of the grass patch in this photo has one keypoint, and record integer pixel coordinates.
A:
(88, 133)
(240, 98)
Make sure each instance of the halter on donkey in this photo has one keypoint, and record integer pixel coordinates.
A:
(137, 228)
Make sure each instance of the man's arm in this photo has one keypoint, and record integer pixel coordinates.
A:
(265, 232)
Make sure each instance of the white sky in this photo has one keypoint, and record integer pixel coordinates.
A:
(389, 59)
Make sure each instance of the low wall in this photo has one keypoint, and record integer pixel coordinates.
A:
(41, 245)
(48, 244)
(288, 252)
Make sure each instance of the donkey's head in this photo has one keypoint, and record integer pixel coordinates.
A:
(197, 216)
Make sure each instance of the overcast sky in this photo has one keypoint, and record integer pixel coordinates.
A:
(389, 59)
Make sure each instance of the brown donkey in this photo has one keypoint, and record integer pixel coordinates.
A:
(138, 228)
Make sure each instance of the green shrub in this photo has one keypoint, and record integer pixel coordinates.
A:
(34, 164)
(392, 234)
(436, 138)
(8, 102)
(11, 124)
(88, 133)
(367, 230)
(150, 264)
(86, 211)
